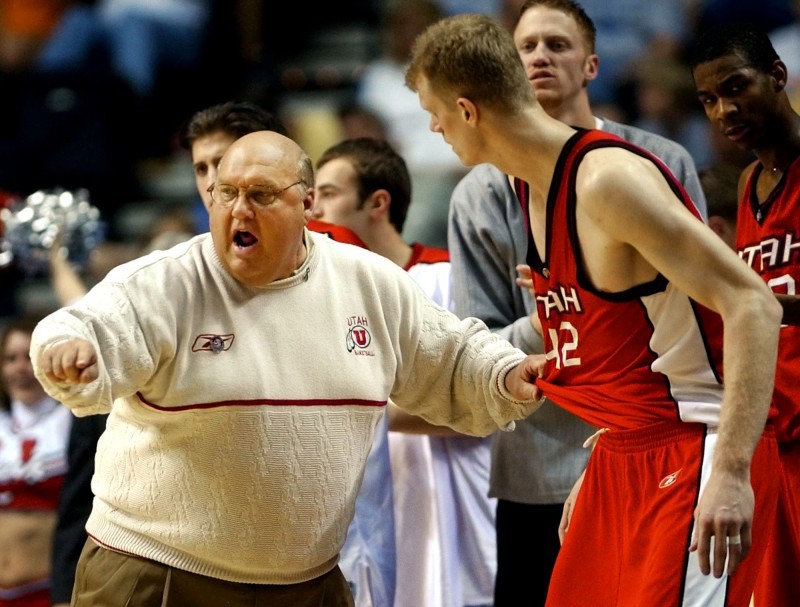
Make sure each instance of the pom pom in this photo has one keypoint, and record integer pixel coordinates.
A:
(47, 218)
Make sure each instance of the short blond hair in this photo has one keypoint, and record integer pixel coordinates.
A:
(472, 56)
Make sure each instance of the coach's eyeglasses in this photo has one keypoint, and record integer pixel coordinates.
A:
(259, 195)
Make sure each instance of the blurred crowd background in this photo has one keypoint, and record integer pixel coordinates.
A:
(94, 94)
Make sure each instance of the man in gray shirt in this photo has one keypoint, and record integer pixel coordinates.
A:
(534, 467)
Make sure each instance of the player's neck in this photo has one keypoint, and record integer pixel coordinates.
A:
(388, 243)
(783, 148)
(530, 147)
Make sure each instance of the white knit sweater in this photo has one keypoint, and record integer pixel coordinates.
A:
(241, 417)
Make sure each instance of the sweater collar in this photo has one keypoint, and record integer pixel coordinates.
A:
(300, 275)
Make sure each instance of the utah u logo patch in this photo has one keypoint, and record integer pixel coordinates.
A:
(358, 337)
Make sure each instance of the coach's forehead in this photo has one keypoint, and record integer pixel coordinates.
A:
(258, 153)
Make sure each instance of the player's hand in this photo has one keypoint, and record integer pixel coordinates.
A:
(71, 361)
(525, 281)
(724, 513)
(524, 276)
(569, 506)
(521, 380)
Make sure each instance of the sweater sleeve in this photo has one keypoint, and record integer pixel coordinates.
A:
(106, 318)
(453, 372)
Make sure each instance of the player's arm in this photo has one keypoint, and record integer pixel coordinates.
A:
(628, 199)
(67, 284)
(524, 280)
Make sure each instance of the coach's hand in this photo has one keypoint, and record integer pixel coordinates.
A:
(71, 361)
(521, 380)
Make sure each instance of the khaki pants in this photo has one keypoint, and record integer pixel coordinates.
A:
(111, 579)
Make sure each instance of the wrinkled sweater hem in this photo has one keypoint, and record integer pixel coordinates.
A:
(113, 537)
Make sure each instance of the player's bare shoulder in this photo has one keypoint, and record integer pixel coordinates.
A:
(613, 182)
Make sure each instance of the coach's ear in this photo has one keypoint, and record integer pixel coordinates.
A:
(469, 111)
(308, 204)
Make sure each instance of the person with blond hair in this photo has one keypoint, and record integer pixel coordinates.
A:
(534, 468)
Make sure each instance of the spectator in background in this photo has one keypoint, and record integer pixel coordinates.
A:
(138, 39)
(272, 61)
(25, 26)
(454, 7)
(380, 88)
(33, 461)
(629, 31)
(74, 118)
(534, 467)
(208, 133)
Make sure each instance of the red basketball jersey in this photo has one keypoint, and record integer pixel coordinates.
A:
(768, 239)
(627, 359)
(336, 232)
(423, 254)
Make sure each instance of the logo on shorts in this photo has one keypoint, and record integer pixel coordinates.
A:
(208, 342)
(669, 480)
